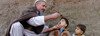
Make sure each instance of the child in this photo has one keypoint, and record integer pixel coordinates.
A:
(80, 30)
(60, 29)
(64, 30)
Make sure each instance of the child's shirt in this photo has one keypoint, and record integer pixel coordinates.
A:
(75, 35)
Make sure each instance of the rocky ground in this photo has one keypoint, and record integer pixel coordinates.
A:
(86, 12)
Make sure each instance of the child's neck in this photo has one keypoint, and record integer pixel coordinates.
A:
(79, 35)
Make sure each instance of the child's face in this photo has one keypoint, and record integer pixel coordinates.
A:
(63, 23)
(78, 30)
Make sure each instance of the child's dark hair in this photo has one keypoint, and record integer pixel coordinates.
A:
(82, 27)
(66, 20)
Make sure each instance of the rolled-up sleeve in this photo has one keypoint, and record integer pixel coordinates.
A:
(36, 21)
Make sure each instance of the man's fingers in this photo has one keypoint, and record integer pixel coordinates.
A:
(59, 26)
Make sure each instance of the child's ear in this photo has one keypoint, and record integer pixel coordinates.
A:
(81, 32)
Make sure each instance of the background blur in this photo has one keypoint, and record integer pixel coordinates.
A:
(77, 11)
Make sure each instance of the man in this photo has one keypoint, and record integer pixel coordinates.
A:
(32, 22)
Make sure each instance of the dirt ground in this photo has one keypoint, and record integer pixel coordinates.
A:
(85, 12)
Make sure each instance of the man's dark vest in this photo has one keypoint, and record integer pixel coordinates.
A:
(32, 12)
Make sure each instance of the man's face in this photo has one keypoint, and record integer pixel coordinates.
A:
(78, 30)
(41, 6)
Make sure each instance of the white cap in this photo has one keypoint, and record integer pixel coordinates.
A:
(39, 0)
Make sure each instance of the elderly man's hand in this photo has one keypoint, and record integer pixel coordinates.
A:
(52, 16)
(55, 15)
(61, 24)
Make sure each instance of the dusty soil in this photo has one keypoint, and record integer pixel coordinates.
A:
(86, 12)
